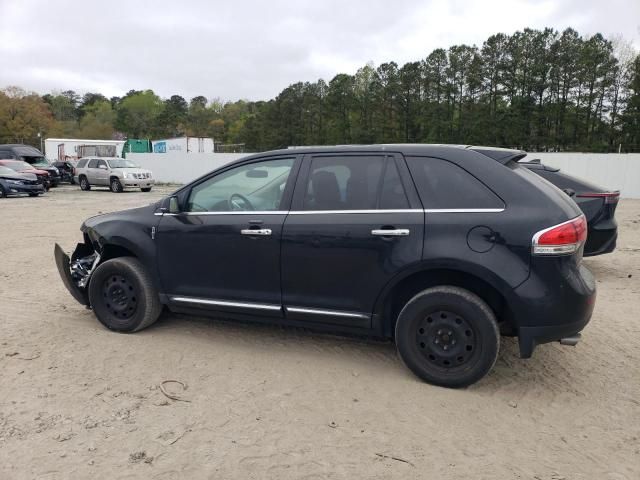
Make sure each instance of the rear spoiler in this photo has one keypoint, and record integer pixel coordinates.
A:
(502, 155)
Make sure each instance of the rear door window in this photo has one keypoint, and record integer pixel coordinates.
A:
(445, 185)
(93, 163)
(354, 182)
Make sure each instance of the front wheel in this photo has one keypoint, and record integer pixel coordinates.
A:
(84, 184)
(122, 295)
(448, 336)
(116, 186)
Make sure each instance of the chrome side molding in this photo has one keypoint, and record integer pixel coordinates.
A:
(225, 303)
(319, 311)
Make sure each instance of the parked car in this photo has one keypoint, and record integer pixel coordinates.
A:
(597, 203)
(66, 170)
(441, 248)
(23, 167)
(32, 156)
(14, 183)
(115, 173)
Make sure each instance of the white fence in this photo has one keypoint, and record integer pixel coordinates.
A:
(611, 170)
(617, 171)
(180, 167)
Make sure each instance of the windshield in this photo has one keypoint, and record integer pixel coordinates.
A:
(18, 166)
(121, 163)
(39, 161)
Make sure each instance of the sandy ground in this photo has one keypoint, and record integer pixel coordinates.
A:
(77, 401)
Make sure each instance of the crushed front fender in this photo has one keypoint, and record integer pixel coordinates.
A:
(76, 272)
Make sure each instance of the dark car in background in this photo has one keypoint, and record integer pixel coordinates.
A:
(67, 171)
(23, 167)
(597, 203)
(441, 248)
(32, 156)
(14, 183)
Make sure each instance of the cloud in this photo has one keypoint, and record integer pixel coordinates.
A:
(253, 49)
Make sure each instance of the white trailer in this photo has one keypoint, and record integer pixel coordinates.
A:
(69, 149)
(184, 145)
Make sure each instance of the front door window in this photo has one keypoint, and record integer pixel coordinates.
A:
(252, 187)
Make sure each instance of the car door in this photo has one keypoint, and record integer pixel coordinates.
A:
(102, 173)
(355, 222)
(92, 171)
(222, 251)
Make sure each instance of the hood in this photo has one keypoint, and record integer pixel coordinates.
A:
(130, 214)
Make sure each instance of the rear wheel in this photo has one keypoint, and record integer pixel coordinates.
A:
(448, 336)
(84, 183)
(116, 186)
(122, 295)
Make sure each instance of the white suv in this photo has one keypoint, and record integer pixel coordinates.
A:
(115, 173)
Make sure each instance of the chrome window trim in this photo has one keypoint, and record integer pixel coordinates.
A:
(225, 303)
(463, 210)
(327, 212)
(319, 311)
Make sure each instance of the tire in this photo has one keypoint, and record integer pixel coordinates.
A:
(148, 189)
(84, 183)
(3, 193)
(122, 295)
(447, 336)
(33, 194)
(115, 185)
(72, 181)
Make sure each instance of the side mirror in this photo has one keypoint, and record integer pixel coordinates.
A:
(173, 205)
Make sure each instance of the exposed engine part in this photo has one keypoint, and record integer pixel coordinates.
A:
(82, 268)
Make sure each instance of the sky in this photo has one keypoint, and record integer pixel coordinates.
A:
(254, 49)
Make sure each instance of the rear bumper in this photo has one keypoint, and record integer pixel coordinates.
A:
(557, 301)
(600, 241)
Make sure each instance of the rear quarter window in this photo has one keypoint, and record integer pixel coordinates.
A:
(445, 185)
(82, 163)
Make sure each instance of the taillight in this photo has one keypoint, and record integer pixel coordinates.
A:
(563, 239)
(609, 197)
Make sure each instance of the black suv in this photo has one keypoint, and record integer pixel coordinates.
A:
(441, 248)
(31, 155)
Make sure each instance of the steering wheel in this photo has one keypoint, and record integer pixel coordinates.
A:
(245, 200)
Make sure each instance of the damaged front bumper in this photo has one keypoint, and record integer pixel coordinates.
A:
(76, 271)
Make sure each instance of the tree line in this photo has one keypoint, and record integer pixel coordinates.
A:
(539, 90)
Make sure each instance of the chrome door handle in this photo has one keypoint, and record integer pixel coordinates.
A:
(257, 231)
(398, 232)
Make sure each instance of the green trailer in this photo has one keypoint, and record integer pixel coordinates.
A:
(136, 145)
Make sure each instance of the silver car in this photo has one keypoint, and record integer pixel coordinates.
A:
(115, 173)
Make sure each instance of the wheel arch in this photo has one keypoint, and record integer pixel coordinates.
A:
(138, 244)
(474, 278)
